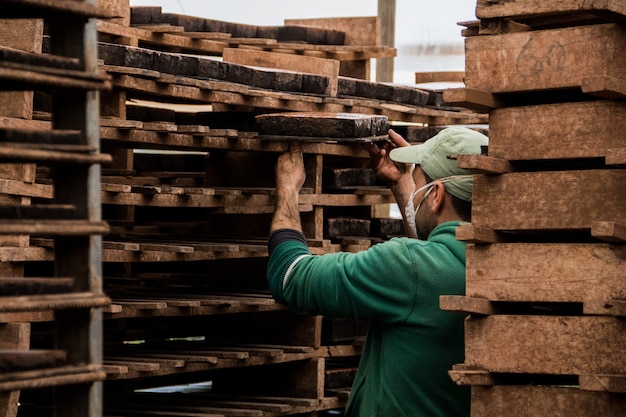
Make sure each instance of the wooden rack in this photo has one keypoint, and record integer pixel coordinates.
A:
(70, 294)
(544, 271)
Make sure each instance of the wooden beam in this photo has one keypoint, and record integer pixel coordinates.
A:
(387, 15)
(541, 344)
(545, 272)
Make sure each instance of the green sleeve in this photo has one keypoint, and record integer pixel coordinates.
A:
(373, 284)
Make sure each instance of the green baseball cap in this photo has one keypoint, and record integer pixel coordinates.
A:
(434, 157)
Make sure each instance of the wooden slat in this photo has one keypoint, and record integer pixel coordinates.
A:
(30, 285)
(468, 305)
(484, 164)
(41, 8)
(562, 345)
(575, 199)
(533, 8)
(587, 130)
(51, 377)
(611, 88)
(542, 60)
(603, 383)
(609, 231)
(471, 98)
(52, 302)
(615, 308)
(334, 125)
(23, 360)
(546, 272)
(52, 155)
(309, 65)
(57, 227)
(509, 400)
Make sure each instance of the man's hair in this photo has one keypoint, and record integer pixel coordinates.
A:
(462, 207)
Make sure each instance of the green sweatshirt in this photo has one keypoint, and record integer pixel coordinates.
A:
(411, 342)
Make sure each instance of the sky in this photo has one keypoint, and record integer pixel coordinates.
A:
(427, 35)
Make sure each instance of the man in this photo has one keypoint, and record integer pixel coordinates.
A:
(411, 342)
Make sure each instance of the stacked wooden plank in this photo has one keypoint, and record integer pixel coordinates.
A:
(545, 272)
(188, 197)
(67, 210)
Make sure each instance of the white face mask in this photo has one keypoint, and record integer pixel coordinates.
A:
(410, 210)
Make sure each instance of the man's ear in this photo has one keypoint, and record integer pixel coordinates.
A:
(437, 197)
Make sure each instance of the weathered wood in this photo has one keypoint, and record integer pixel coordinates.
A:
(540, 401)
(51, 377)
(609, 231)
(611, 88)
(571, 200)
(486, 9)
(331, 125)
(474, 234)
(439, 76)
(460, 375)
(546, 272)
(467, 305)
(358, 30)
(585, 130)
(603, 383)
(52, 302)
(45, 8)
(23, 360)
(484, 164)
(471, 98)
(304, 64)
(564, 345)
(29, 285)
(59, 227)
(543, 60)
(338, 227)
(615, 308)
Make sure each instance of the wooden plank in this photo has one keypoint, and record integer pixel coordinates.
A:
(468, 305)
(332, 125)
(364, 30)
(486, 9)
(51, 377)
(44, 8)
(58, 227)
(439, 76)
(586, 130)
(471, 98)
(603, 383)
(58, 155)
(611, 88)
(31, 285)
(545, 272)
(609, 231)
(484, 164)
(509, 400)
(615, 157)
(543, 60)
(460, 375)
(23, 360)
(575, 199)
(563, 345)
(615, 308)
(474, 234)
(52, 302)
(309, 65)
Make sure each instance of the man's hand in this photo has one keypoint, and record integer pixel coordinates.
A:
(290, 176)
(386, 169)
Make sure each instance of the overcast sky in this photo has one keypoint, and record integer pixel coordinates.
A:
(420, 24)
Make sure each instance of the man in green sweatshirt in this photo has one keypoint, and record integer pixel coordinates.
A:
(411, 343)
